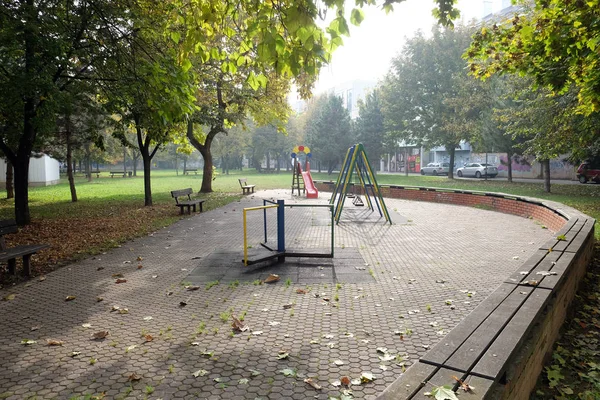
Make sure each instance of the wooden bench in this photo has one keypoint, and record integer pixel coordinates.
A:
(189, 203)
(87, 175)
(10, 255)
(186, 171)
(113, 173)
(245, 187)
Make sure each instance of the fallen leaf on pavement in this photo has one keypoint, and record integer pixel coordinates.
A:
(86, 325)
(282, 355)
(344, 380)
(119, 275)
(288, 306)
(272, 278)
(238, 325)
(288, 372)
(463, 385)
(9, 297)
(134, 377)
(313, 383)
(28, 342)
(69, 298)
(100, 335)
(192, 288)
(99, 299)
(121, 281)
(366, 377)
(54, 342)
(200, 372)
(123, 311)
(42, 278)
(35, 328)
(300, 291)
(148, 338)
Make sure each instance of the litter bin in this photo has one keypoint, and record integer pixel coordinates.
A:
(130, 173)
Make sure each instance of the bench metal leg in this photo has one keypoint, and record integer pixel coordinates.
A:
(27, 265)
(12, 266)
(194, 207)
(200, 207)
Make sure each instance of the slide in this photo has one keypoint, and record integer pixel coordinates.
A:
(311, 190)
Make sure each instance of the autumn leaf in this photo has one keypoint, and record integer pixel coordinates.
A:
(148, 338)
(283, 355)
(100, 335)
(9, 297)
(42, 278)
(200, 372)
(344, 380)
(272, 278)
(28, 342)
(313, 383)
(119, 275)
(69, 298)
(99, 299)
(238, 325)
(444, 393)
(54, 342)
(121, 281)
(140, 266)
(366, 377)
(300, 291)
(288, 372)
(134, 377)
(463, 385)
(192, 288)
(139, 258)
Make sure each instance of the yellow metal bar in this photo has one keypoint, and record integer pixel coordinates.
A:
(245, 242)
(261, 207)
(377, 191)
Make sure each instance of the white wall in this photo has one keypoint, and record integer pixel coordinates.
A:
(43, 171)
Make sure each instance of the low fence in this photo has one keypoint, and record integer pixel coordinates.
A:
(500, 347)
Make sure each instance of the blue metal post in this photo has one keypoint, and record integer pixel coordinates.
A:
(265, 219)
(281, 226)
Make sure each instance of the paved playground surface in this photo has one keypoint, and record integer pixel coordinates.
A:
(390, 293)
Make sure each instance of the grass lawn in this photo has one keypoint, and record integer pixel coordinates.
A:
(111, 210)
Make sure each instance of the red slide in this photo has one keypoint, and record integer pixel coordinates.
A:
(311, 190)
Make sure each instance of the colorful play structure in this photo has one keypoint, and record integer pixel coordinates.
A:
(281, 252)
(307, 184)
(356, 160)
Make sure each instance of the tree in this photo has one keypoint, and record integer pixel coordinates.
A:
(328, 131)
(369, 126)
(426, 96)
(151, 92)
(556, 43)
(44, 48)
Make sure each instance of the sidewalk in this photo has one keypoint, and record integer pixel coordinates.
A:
(416, 280)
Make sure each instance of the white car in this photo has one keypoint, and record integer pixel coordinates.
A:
(477, 170)
(436, 169)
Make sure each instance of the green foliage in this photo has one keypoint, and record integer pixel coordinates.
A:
(427, 97)
(369, 128)
(556, 43)
(328, 131)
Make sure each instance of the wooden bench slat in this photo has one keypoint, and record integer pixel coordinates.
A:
(20, 251)
(472, 348)
(494, 361)
(455, 338)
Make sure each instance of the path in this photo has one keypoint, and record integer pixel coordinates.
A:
(400, 289)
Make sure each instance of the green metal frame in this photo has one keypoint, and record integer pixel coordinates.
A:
(356, 160)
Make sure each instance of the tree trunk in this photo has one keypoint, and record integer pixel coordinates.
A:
(204, 149)
(21, 167)
(10, 188)
(88, 162)
(147, 186)
(406, 161)
(510, 158)
(135, 162)
(452, 150)
(546, 170)
(70, 165)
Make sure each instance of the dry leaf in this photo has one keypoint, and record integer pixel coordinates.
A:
(182, 303)
(532, 282)
(288, 306)
(238, 325)
(192, 288)
(200, 372)
(272, 278)
(35, 328)
(86, 325)
(148, 338)
(99, 299)
(121, 281)
(99, 268)
(100, 335)
(148, 318)
(139, 258)
(9, 297)
(28, 342)
(42, 278)
(119, 275)
(134, 377)
(282, 355)
(463, 385)
(344, 380)
(115, 308)
(54, 342)
(301, 291)
(313, 383)
(69, 298)
(123, 311)
(140, 267)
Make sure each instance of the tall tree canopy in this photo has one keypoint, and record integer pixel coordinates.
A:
(556, 42)
(369, 126)
(426, 95)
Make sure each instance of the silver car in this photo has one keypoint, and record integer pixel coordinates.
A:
(435, 169)
(477, 170)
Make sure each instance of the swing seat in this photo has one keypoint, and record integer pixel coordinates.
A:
(358, 202)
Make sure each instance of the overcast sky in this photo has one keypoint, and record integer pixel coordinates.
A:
(367, 53)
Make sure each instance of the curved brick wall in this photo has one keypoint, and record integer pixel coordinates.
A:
(500, 347)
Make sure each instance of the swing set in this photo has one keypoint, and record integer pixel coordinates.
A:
(356, 160)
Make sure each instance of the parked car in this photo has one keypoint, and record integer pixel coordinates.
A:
(588, 172)
(436, 169)
(477, 170)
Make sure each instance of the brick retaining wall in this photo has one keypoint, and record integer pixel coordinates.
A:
(527, 316)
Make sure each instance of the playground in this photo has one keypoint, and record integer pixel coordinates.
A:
(375, 308)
